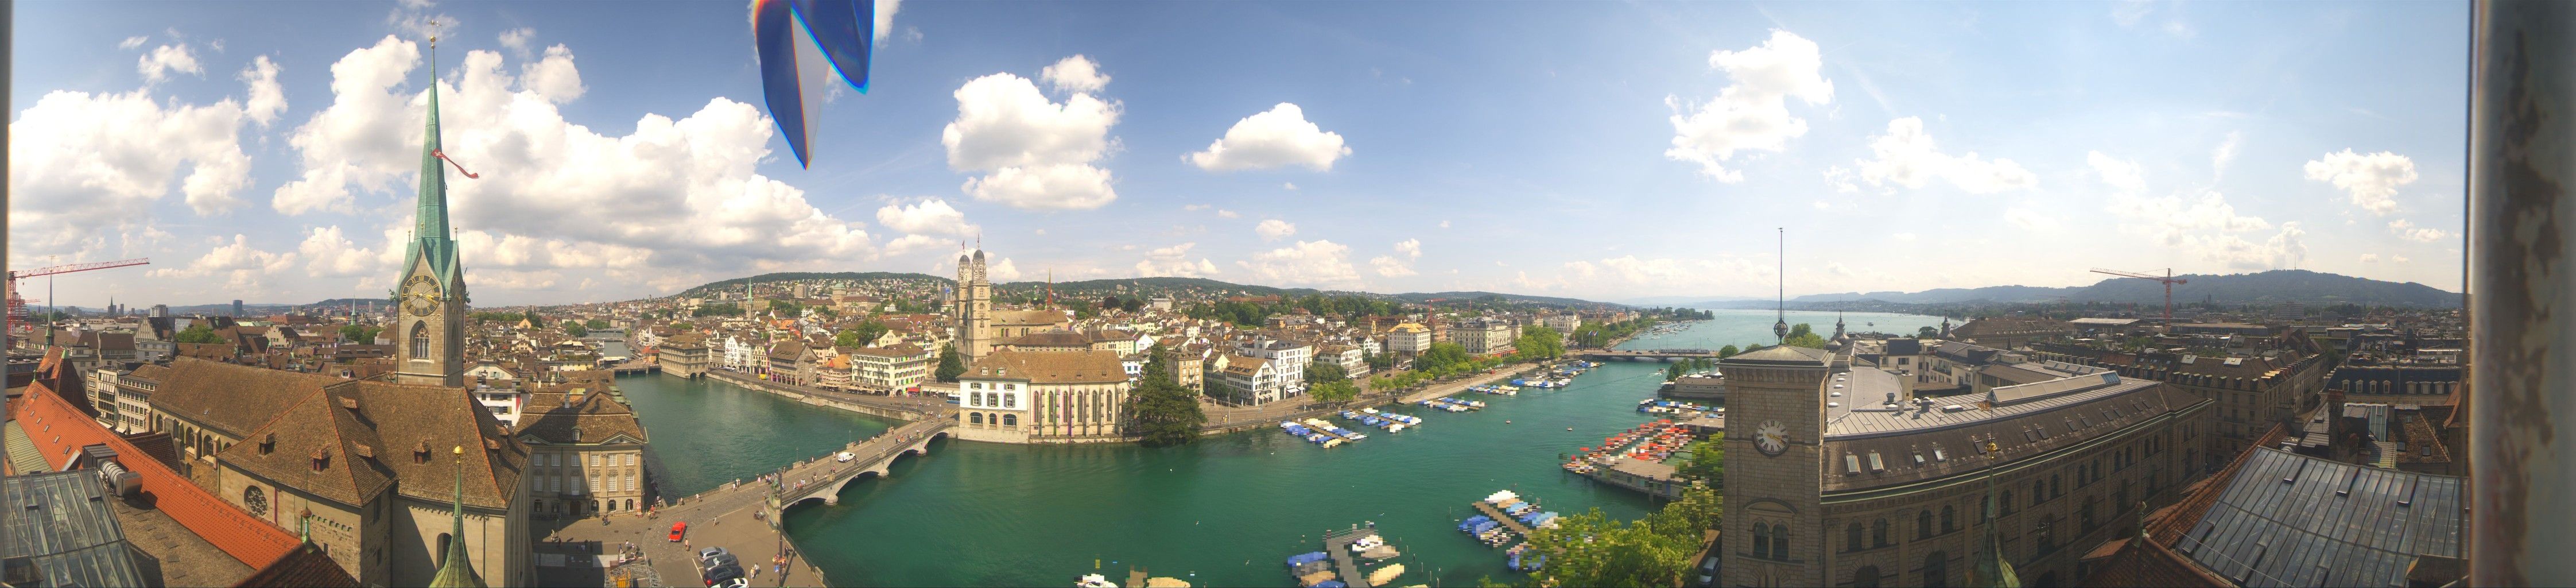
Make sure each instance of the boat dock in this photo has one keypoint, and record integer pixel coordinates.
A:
(1338, 545)
(1506, 520)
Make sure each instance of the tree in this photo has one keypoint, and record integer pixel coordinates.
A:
(596, 323)
(1927, 333)
(1334, 391)
(1538, 342)
(1675, 371)
(1319, 371)
(1160, 412)
(1707, 462)
(1728, 351)
(726, 309)
(574, 328)
(359, 334)
(1590, 549)
(863, 335)
(1440, 358)
(950, 366)
(197, 333)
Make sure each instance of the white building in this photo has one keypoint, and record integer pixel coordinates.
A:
(1289, 357)
(1408, 339)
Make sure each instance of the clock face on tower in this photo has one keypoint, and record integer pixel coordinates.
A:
(1771, 438)
(420, 295)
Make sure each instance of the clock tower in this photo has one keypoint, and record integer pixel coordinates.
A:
(429, 298)
(1774, 521)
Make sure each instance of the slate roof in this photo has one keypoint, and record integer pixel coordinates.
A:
(370, 436)
(1051, 339)
(547, 417)
(1050, 367)
(230, 399)
(2293, 520)
(2025, 422)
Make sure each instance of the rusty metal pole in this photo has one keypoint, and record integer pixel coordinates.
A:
(2522, 293)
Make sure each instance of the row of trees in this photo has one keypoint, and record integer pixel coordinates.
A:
(1592, 549)
(860, 336)
(1598, 335)
(1445, 359)
(725, 309)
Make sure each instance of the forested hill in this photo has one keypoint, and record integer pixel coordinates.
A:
(737, 283)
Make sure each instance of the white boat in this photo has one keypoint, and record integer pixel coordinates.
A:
(1094, 581)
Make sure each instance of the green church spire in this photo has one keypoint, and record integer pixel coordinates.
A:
(430, 236)
(457, 572)
(1993, 569)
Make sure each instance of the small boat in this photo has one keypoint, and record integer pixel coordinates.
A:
(1386, 574)
(1093, 581)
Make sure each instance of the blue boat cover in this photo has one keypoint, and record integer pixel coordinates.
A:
(1305, 558)
(1331, 584)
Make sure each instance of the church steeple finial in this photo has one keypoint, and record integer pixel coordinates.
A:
(1781, 306)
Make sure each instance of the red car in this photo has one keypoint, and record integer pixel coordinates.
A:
(679, 529)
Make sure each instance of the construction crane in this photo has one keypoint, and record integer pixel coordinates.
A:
(18, 306)
(2168, 279)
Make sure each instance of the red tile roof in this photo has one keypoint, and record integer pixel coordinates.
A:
(60, 429)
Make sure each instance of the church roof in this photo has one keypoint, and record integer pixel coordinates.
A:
(430, 237)
(1051, 367)
(230, 399)
(1779, 355)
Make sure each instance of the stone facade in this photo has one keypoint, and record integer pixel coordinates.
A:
(1853, 491)
(971, 309)
(1043, 397)
(683, 355)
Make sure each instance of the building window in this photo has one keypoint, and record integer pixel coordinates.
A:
(1010, 401)
(255, 500)
(2055, 489)
(419, 339)
(2047, 542)
(1878, 533)
(975, 418)
(1010, 420)
(1762, 540)
(2085, 517)
(1949, 520)
(1936, 569)
(1780, 542)
(1923, 524)
(1851, 537)
(2008, 504)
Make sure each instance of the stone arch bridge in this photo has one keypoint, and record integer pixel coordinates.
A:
(874, 458)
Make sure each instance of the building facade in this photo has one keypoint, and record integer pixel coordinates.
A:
(684, 355)
(1043, 397)
(1247, 380)
(971, 308)
(1838, 478)
(1484, 337)
(1408, 339)
(585, 453)
(889, 369)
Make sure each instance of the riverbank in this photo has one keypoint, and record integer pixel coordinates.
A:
(893, 407)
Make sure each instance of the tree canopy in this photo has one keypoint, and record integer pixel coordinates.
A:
(863, 335)
(950, 365)
(1591, 549)
(1161, 412)
(197, 333)
(1539, 342)
(574, 328)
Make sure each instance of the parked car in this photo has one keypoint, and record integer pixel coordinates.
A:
(721, 575)
(679, 530)
(1708, 571)
(734, 583)
(718, 561)
(703, 554)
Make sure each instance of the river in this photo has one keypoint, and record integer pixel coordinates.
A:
(1222, 512)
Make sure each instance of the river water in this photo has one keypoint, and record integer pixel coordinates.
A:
(1222, 512)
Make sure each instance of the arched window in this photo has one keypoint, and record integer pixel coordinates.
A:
(2038, 492)
(1878, 533)
(419, 339)
(255, 500)
(630, 504)
(2091, 503)
(1949, 519)
(1780, 542)
(1936, 570)
(1923, 524)
(1851, 537)
(1010, 420)
(1762, 540)
(2054, 489)
(975, 418)
(1865, 577)
(2007, 502)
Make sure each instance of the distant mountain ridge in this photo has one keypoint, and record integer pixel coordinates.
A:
(2269, 287)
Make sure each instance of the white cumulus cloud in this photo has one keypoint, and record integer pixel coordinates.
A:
(2370, 180)
(1273, 229)
(2407, 230)
(2125, 176)
(931, 216)
(328, 253)
(157, 64)
(1036, 154)
(1752, 112)
(680, 195)
(1907, 156)
(1076, 74)
(86, 168)
(1400, 263)
(1306, 263)
(239, 265)
(1280, 137)
(1174, 261)
(266, 100)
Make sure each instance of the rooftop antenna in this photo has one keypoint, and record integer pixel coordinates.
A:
(1781, 305)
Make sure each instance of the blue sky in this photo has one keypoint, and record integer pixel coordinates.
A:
(1597, 150)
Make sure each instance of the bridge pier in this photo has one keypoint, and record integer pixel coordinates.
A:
(830, 492)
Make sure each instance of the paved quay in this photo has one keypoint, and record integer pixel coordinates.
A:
(735, 516)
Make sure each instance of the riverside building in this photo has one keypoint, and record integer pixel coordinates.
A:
(1839, 477)
(1043, 397)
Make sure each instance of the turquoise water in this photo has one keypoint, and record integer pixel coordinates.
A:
(1222, 512)
(706, 432)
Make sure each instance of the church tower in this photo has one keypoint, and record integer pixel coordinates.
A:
(973, 308)
(1775, 467)
(429, 320)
